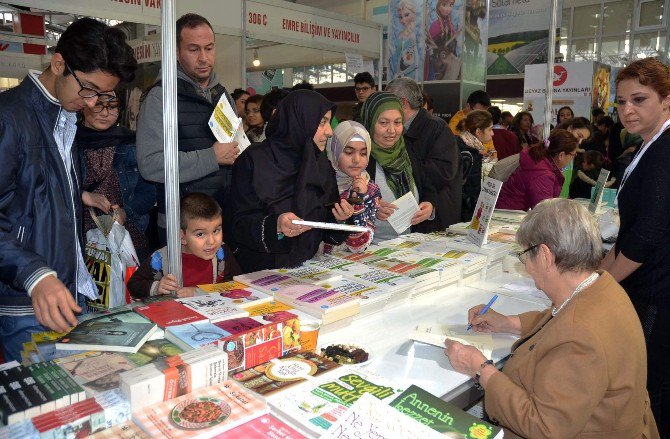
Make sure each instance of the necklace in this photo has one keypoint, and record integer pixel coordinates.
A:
(583, 284)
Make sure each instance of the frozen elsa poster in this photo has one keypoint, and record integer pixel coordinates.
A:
(406, 45)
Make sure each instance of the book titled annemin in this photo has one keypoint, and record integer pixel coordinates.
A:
(107, 336)
(442, 416)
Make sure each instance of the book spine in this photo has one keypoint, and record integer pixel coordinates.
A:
(76, 392)
(53, 388)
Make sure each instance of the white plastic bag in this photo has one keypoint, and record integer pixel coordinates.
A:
(609, 225)
(109, 251)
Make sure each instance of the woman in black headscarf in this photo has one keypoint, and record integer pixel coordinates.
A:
(285, 178)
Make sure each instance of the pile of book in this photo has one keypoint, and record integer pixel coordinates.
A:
(327, 305)
(471, 263)
(78, 419)
(175, 376)
(26, 392)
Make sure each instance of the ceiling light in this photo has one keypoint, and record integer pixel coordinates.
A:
(256, 62)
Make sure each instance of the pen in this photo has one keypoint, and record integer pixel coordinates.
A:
(486, 308)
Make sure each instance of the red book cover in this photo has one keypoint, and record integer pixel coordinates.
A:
(65, 415)
(239, 325)
(169, 313)
(260, 428)
(263, 352)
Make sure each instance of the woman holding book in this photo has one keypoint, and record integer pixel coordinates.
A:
(579, 368)
(640, 259)
(392, 166)
(283, 179)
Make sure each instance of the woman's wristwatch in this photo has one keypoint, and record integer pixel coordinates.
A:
(478, 375)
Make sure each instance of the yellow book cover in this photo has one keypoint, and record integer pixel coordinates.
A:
(223, 286)
(41, 337)
(267, 308)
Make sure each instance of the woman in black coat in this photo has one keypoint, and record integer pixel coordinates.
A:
(284, 178)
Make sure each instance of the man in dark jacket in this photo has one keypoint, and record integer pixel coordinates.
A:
(364, 86)
(204, 163)
(43, 277)
(433, 143)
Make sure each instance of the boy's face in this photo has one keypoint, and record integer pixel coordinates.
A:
(202, 237)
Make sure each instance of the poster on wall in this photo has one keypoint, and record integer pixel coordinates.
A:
(263, 82)
(601, 87)
(518, 35)
(406, 39)
(476, 40)
(444, 40)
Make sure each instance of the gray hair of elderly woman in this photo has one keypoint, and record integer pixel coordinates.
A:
(408, 89)
(568, 229)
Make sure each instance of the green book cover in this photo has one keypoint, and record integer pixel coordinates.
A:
(154, 350)
(441, 416)
(52, 387)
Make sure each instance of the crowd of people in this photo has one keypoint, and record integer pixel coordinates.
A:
(67, 161)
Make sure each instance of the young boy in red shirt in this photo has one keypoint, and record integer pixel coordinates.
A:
(205, 257)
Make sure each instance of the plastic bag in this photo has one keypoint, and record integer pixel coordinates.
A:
(109, 252)
(609, 225)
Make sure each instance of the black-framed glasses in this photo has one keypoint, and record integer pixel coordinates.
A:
(521, 255)
(113, 106)
(361, 89)
(87, 92)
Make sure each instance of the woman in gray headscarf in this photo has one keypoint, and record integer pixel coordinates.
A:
(349, 151)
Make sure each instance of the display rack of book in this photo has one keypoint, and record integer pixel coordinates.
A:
(227, 362)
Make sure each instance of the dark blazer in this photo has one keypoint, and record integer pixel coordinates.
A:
(424, 187)
(434, 145)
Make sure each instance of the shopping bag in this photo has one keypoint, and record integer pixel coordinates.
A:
(109, 252)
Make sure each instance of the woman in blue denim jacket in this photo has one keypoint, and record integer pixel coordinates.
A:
(111, 179)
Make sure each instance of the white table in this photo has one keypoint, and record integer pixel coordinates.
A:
(406, 362)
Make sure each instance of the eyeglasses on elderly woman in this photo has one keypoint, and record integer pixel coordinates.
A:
(523, 255)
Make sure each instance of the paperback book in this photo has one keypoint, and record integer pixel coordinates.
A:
(281, 373)
(317, 404)
(202, 413)
(194, 335)
(235, 293)
(102, 335)
(263, 427)
(442, 416)
(169, 313)
(95, 371)
(215, 308)
(369, 414)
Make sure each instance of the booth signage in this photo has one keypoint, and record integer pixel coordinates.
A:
(275, 23)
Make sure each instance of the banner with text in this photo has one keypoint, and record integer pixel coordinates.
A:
(573, 87)
(293, 24)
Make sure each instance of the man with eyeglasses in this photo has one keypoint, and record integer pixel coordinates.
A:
(364, 86)
(205, 165)
(43, 277)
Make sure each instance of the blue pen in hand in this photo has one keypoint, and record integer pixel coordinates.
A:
(486, 308)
